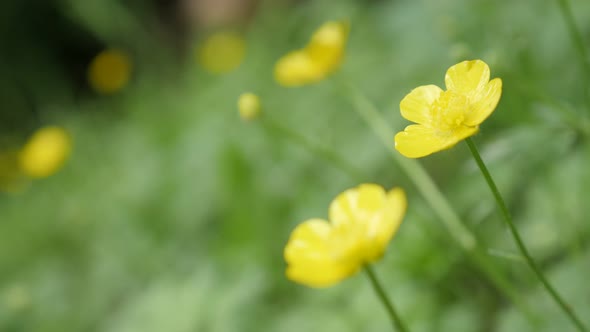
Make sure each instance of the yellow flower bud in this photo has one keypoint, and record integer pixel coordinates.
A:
(222, 52)
(249, 106)
(109, 71)
(45, 152)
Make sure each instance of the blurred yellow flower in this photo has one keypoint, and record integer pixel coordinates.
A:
(109, 71)
(45, 152)
(363, 220)
(446, 117)
(222, 52)
(319, 58)
(249, 106)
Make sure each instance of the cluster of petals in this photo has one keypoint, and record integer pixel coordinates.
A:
(362, 221)
(319, 58)
(444, 118)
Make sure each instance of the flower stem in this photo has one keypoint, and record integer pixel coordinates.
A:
(414, 170)
(576, 35)
(395, 319)
(520, 244)
(437, 201)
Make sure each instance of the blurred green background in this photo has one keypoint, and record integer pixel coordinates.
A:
(172, 213)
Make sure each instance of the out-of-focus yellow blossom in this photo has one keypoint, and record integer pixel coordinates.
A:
(249, 106)
(109, 71)
(363, 220)
(319, 58)
(45, 152)
(446, 117)
(222, 52)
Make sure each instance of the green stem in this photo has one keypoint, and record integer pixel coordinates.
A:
(414, 171)
(434, 197)
(320, 151)
(423, 183)
(520, 244)
(395, 319)
(578, 40)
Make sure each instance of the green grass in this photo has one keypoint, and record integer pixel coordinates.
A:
(173, 213)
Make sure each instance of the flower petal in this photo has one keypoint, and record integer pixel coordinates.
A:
(320, 275)
(371, 198)
(356, 205)
(330, 34)
(382, 229)
(309, 241)
(418, 141)
(460, 134)
(416, 105)
(326, 46)
(322, 55)
(397, 204)
(484, 102)
(467, 77)
(315, 257)
(296, 69)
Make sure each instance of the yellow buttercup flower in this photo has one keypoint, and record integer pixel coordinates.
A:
(249, 106)
(363, 220)
(109, 71)
(446, 117)
(45, 152)
(319, 58)
(222, 52)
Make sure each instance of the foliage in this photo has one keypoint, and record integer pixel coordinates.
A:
(172, 213)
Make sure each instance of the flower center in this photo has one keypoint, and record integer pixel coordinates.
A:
(448, 111)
